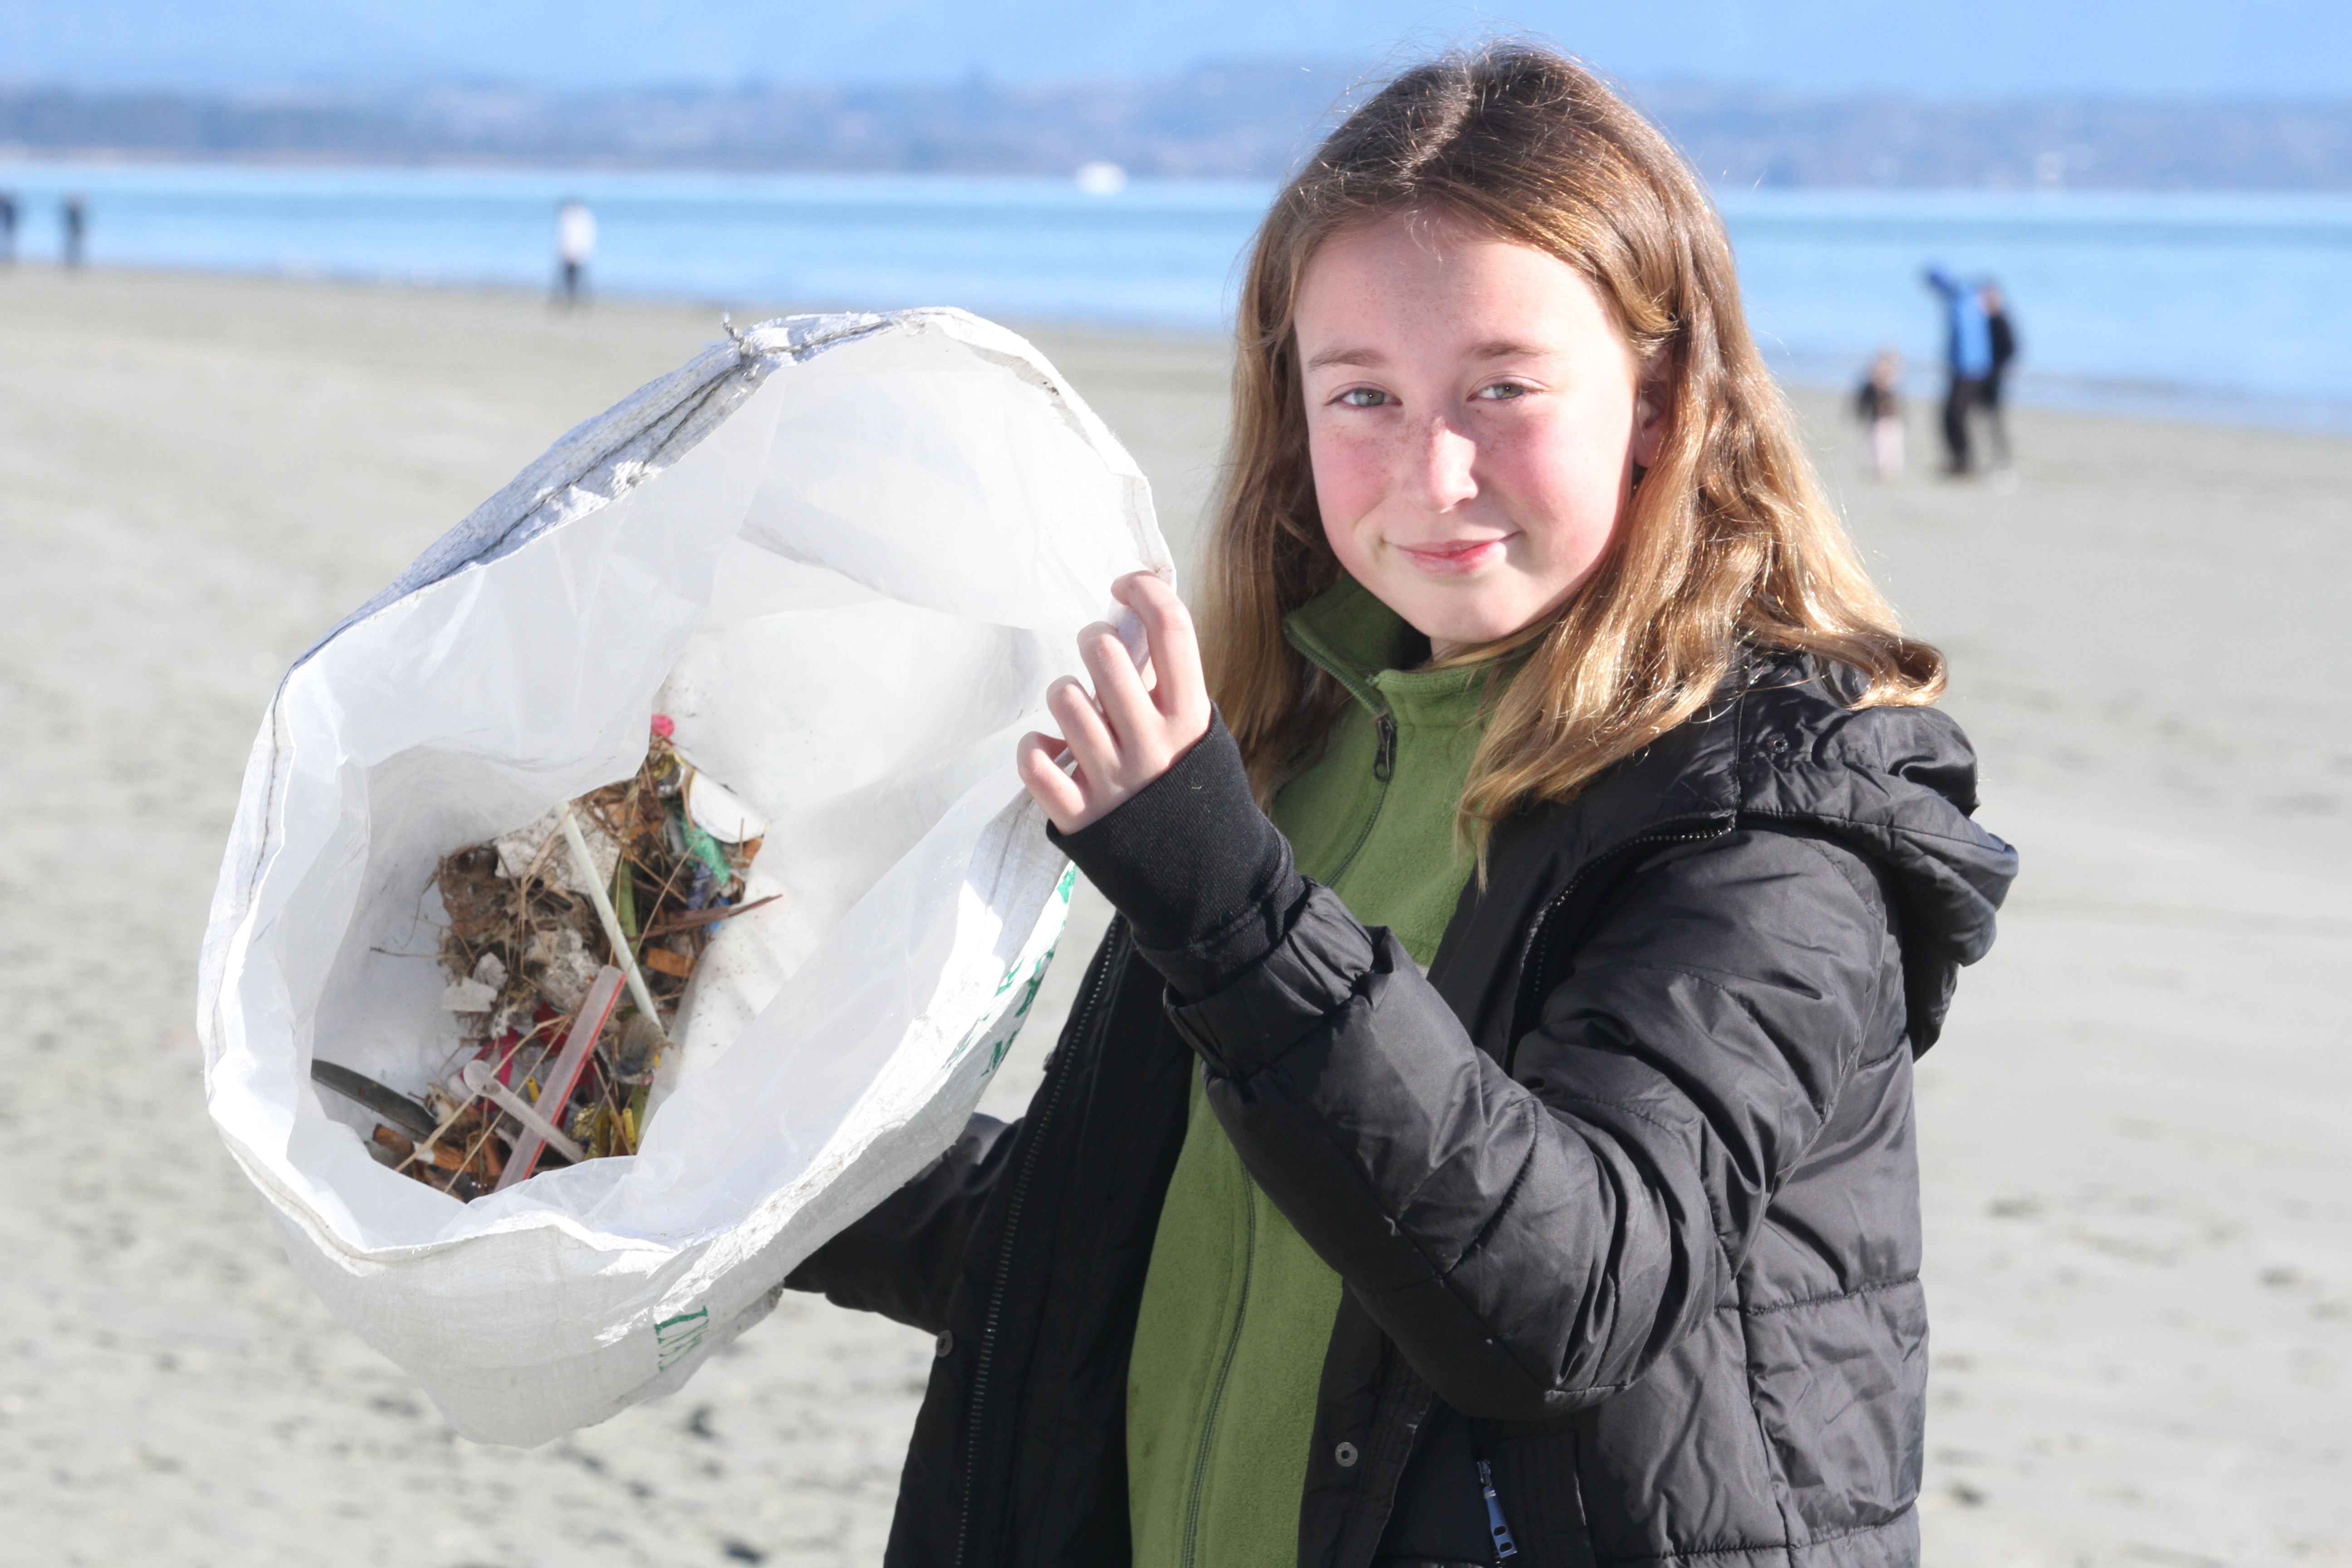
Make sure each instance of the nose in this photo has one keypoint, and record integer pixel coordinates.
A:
(1440, 465)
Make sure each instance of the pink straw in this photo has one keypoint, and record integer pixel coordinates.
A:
(555, 1089)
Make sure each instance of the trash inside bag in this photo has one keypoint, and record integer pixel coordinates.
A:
(546, 925)
(639, 890)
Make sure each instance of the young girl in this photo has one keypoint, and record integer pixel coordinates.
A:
(1487, 1133)
(1878, 406)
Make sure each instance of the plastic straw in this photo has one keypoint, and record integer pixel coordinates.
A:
(477, 1077)
(555, 1088)
(622, 952)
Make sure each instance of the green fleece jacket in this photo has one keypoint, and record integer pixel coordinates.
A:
(1238, 1309)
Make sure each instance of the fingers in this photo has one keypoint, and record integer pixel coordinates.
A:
(1036, 760)
(1180, 691)
(1134, 720)
(1127, 731)
(1090, 740)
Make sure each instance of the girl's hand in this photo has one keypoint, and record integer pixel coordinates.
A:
(1133, 725)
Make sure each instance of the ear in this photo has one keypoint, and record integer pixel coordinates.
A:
(1652, 407)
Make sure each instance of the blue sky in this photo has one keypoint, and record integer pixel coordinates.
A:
(1961, 48)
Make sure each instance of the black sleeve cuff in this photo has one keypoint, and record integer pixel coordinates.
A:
(1204, 880)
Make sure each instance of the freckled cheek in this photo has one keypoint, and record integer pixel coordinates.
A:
(1350, 473)
(1573, 483)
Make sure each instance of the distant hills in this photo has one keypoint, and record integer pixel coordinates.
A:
(1233, 119)
(1744, 138)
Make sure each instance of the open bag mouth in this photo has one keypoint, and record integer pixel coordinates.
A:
(844, 558)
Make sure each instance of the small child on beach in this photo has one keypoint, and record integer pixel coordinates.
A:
(1485, 1134)
(1878, 404)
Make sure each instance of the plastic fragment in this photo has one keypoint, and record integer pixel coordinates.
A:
(613, 931)
(706, 849)
(720, 813)
(388, 1103)
(594, 1013)
(480, 1080)
(470, 997)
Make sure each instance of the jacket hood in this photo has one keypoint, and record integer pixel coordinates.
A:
(1781, 746)
(1896, 785)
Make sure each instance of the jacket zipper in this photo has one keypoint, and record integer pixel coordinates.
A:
(1530, 982)
(1496, 1524)
(1721, 825)
(1224, 1373)
(1383, 769)
(985, 1358)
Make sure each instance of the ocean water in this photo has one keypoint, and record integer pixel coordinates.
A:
(2226, 307)
(2235, 308)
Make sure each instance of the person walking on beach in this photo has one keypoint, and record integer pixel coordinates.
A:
(1878, 404)
(1486, 1130)
(1968, 360)
(575, 247)
(7, 229)
(75, 213)
(2001, 348)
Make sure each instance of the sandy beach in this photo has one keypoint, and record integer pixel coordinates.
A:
(2139, 1203)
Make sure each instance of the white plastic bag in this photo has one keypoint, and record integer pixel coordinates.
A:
(846, 554)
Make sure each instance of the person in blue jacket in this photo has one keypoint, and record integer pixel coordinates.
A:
(1968, 357)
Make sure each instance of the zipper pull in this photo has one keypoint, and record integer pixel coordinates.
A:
(1384, 758)
(1504, 1545)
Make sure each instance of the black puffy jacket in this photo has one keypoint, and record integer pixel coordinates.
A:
(1624, 1193)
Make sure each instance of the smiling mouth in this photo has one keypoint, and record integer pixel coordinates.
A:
(1455, 558)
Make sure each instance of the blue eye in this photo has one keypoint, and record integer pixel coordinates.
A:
(1363, 397)
(1503, 391)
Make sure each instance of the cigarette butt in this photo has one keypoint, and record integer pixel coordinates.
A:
(447, 1159)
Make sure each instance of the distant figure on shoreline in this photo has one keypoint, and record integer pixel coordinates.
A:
(575, 247)
(7, 229)
(2001, 342)
(1968, 360)
(1878, 404)
(76, 213)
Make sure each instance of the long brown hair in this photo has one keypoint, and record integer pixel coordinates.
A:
(1728, 538)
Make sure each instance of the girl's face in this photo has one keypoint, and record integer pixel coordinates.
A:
(1474, 415)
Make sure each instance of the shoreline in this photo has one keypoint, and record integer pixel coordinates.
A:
(2111, 399)
(1800, 374)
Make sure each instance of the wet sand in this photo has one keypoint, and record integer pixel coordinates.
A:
(2140, 1225)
